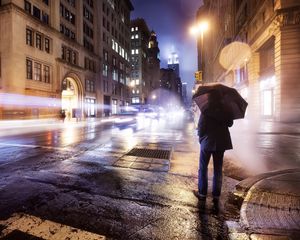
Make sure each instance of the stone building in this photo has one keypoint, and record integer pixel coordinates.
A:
(67, 54)
(154, 61)
(269, 80)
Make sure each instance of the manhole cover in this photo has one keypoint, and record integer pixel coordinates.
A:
(149, 153)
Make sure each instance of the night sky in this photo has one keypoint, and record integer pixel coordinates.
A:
(171, 20)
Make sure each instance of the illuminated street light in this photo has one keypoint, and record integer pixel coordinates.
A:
(153, 97)
(198, 29)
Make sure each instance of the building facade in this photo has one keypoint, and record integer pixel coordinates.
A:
(140, 82)
(154, 61)
(64, 55)
(269, 79)
(171, 82)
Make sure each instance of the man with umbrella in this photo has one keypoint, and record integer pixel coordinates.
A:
(219, 106)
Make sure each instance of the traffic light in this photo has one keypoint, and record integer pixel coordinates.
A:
(198, 76)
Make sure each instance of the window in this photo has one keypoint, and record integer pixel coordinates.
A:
(105, 55)
(36, 12)
(45, 18)
(105, 86)
(27, 6)
(74, 57)
(89, 85)
(135, 100)
(90, 3)
(37, 71)
(105, 70)
(72, 3)
(87, 14)
(267, 103)
(38, 41)
(115, 75)
(47, 45)
(136, 36)
(46, 74)
(29, 37)
(132, 29)
(28, 69)
(72, 18)
(46, 2)
(69, 55)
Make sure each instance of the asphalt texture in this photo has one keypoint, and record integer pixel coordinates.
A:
(70, 176)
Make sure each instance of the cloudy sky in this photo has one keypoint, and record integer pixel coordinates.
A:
(171, 20)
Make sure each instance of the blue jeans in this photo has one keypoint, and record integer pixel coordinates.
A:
(202, 174)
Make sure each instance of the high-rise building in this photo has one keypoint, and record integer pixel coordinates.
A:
(173, 63)
(67, 54)
(140, 82)
(269, 79)
(170, 81)
(154, 61)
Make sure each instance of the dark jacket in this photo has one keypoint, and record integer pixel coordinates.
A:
(214, 135)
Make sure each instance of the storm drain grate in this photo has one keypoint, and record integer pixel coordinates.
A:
(149, 153)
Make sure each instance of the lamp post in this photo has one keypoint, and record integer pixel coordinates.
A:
(198, 31)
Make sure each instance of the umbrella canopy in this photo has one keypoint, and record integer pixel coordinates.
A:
(220, 101)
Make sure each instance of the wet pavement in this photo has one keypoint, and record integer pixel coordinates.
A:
(71, 176)
(79, 175)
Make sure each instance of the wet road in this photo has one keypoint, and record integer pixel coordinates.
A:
(69, 175)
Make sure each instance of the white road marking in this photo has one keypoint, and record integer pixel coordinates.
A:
(44, 229)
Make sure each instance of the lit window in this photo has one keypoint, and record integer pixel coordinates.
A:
(267, 103)
(136, 28)
(132, 29)
(46, 74)
(113, 44)
(132, 51)
(136, 36)
(137, 82)
(37, 72)
(136, 51)
(132, 36)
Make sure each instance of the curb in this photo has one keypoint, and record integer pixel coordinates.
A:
(242, 188)
(266, 212)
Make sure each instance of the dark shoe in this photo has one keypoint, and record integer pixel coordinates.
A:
(216, 205)
(199, 196)
(201, 201)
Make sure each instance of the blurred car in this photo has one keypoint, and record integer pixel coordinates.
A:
(125, 118)
(149, 113)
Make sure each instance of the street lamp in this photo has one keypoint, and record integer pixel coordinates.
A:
(198, 30)
(154, 97)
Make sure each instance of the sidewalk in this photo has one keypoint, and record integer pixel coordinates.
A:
(270, 207)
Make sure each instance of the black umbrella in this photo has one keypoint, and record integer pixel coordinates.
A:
(220, 101)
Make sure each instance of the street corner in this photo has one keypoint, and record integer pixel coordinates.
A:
(269, 205)
(24, 226)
